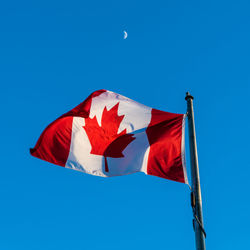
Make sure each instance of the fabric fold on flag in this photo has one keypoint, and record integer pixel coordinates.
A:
(111, 135)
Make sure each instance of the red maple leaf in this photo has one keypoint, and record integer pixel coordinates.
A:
(105, 140)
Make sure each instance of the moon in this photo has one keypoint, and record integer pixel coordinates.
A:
(125, 35)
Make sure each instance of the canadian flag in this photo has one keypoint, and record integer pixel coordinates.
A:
(111, 135)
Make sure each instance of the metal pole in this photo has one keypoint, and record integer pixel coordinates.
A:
(196, 190)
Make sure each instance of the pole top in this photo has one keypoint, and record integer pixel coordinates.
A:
(188, 96)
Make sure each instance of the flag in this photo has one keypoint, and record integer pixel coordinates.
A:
(111, 135)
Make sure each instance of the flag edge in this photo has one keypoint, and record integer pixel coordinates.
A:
(183, 152)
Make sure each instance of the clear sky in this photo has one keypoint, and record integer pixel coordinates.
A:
(53, 54)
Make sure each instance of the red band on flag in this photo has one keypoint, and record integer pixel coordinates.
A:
(165, 138)
(54, 143)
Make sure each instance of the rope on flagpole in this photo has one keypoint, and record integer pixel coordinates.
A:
(194, 213)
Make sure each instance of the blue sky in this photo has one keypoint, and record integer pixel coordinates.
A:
(53, 54)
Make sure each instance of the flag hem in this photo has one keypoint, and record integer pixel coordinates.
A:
(183, 158)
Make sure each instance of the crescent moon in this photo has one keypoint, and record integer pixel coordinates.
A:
(125, 34)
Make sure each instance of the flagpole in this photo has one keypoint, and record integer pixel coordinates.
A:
(196, 201)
